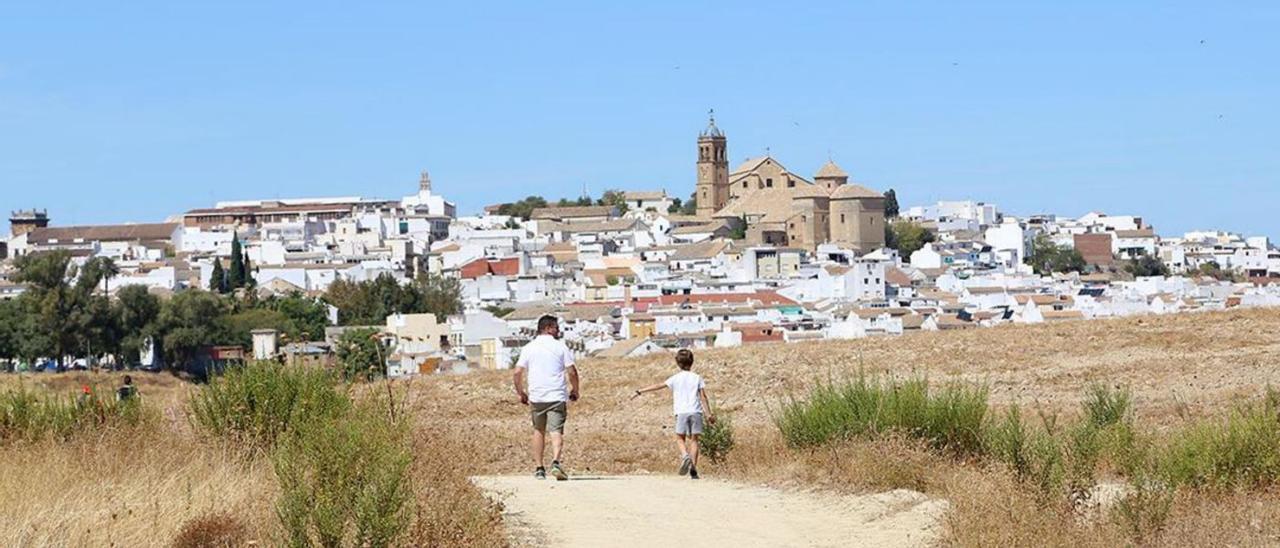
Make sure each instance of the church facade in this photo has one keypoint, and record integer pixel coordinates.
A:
(782, 208)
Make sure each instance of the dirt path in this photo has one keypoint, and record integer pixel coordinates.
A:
(676, 511)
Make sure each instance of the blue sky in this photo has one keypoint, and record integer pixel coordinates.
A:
(132, 111)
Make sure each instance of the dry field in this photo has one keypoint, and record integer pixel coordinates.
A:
(1178, 367)
(143, 486)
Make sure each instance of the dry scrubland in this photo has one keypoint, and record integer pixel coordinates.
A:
(1179, 369)
(162, 480)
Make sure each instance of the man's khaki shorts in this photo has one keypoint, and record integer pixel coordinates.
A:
(548, 416)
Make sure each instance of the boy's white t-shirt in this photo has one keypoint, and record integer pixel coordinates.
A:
(546, 359)
(684, 392)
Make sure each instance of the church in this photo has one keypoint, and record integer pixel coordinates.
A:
(782, 208)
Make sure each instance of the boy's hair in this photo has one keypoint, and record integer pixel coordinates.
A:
(684, 358)
(547, 322)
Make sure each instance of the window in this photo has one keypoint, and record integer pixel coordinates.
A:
(744, 184)
(769, 182)
(842, 218)
(791, 183)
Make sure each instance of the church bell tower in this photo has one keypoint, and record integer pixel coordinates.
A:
(712, 190)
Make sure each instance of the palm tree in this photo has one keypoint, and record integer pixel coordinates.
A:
(109, 270)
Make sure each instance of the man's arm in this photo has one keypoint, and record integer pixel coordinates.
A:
(517, 380)
(706, 406)
(573, 383)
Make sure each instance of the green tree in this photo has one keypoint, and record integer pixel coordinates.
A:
(906, 236)
(236, 277)
(1146, 265)
(1213, 270)
(64, 316)
(441, 295)
(360, 354)
(690, 207)
(306, 317)
(190, 321)
(249, 280)
(218, 279)
(739, 229)
(890, 204)
(137, 312)
(1047, 257)
(615, 198)
(11, 318)
(523, 208)
(370, 302)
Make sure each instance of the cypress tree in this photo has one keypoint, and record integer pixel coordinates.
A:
(248, 271)
(218, 280)
(235, 279)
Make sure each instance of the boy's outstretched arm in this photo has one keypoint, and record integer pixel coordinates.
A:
(706, 406)
(652, 388)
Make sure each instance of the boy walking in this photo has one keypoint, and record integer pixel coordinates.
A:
(689, 403)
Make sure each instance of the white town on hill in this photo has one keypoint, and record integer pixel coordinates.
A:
(757, 254)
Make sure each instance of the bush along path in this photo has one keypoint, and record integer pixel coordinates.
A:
(1060, 462)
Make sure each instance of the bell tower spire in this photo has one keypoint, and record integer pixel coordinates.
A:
(712, 191)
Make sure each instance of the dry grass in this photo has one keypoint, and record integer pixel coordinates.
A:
(126, 488)
(143, 488)
(1177, 367)
(164, 485)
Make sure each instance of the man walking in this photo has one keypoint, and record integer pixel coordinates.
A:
(547, 362)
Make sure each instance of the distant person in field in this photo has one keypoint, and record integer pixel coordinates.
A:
(544, 365)
(127, 391)
(690, 405)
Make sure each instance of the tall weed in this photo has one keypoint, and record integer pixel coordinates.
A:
(256, 404)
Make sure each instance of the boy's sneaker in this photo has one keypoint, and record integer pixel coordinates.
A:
(693, 473)
(558, 472)
(540, 473)
(685, 464)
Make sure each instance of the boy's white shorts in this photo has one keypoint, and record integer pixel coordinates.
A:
(689, 423)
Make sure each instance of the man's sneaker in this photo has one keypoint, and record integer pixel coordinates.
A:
(540, 473)
(558, 472)
(685, 464)
(693, 473)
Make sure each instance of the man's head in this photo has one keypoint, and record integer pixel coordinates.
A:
(684, 359)
(128, 379)
(549, 325)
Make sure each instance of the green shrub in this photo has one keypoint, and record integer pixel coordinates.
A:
(1242, 451)
(1144, 512)
(717, 439)
(257, 403)
(949, 419)
(26, 415)
(345, 482)
(1034, 456)
(1105, 406)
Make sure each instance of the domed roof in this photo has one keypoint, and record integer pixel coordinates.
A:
(854, 192)
(712, 130)
(830, 171)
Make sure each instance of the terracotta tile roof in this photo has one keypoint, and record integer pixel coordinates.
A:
(497, 267)
(573, 212)
(1095, 248)
(103, 233)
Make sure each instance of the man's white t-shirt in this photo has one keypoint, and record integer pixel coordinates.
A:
(546, 359)
(684, 392)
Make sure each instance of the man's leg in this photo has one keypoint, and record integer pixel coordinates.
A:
(536, 447)
(557, 445)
